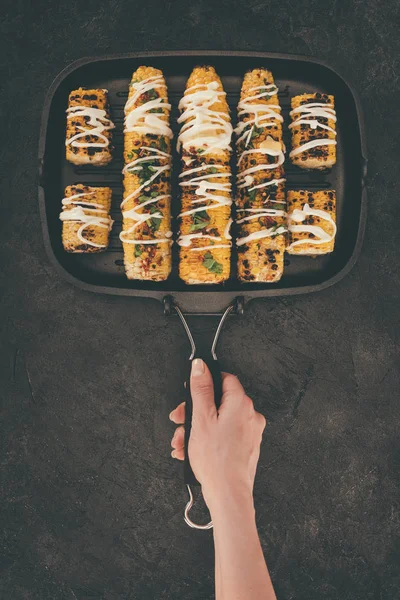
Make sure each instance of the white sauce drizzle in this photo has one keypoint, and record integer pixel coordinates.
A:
(140, 118)
(265, 115)
(308, 115)
(98, 121)
(204, 187)
(260, 212)
(141, 218)
(298, 216)
(259, 235)
(203, 128)
(78, 215)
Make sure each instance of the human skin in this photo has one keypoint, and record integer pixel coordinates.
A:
(224, 449)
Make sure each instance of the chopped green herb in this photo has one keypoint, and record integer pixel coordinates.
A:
(200, 220)
(252, 195)
(280, 206)
(211, 264)
(163, 144)
(156, 110)
(146, 172)
(200, 150)
(213, 170)
(143, 198)
(138, 250)
(132, 153)
(151, 95)
(154, 194)
(257, 131)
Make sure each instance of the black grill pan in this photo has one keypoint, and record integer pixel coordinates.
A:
(104, 272)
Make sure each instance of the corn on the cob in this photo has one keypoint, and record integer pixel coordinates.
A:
(313, 131)
(89, 128)
(204, 142)
(146, 205)
(261, 207)
(311, 222)
(85, 217)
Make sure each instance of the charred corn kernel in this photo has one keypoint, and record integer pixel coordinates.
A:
(85, 217)
(205, 181)
(313, 131)
(311, 222)
(146, 206)
(260, 201)
(88, 138)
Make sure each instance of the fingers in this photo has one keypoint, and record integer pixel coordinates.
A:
(202, 390)
(178, 443)
(232, 388)
(178, 414)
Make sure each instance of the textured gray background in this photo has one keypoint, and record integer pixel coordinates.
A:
(91, 502)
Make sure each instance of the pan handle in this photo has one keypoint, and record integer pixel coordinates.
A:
(215, 370)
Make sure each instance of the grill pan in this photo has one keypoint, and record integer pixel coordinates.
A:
(104, 272)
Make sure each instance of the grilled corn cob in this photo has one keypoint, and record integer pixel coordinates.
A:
(311, 222)
(88, 128)
(260, 202)
(313, 131)
(85, 217)
(204, 142)
(146, 205)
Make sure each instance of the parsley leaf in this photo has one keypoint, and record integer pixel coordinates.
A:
(200, 220)
(252, 195)
(132, 153)
(163, 144)
(257, 131)
(211, 264)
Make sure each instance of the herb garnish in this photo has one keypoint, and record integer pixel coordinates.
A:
(138, 250)
(131, 153)
(252, 195)
(200, 220)
(146, 173)
(163, 144)
(211, 264)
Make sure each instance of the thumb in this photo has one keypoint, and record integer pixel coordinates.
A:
(202, 389)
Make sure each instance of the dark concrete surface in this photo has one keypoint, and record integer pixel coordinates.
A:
(91, 504)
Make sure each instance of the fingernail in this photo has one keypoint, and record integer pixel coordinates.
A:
(171, 413)
(173, 454)
(197, 367)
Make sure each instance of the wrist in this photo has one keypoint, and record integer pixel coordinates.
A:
(229, 502)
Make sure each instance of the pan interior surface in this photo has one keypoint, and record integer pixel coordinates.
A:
(104, 272)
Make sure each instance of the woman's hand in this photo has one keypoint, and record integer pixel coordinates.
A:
(224, 446)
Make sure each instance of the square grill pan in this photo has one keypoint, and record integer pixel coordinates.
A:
(104, 272)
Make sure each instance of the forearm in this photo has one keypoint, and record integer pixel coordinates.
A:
(241, 572)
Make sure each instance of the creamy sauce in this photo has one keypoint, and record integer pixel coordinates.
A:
(259, 235)
(155, 155)
(264, 116)
(208, 199)
(256, 213)
(308, 115)
(141, 118)
(77, 214)
(204, 128)
(322, 236)
(98, 122)
(140, 218)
